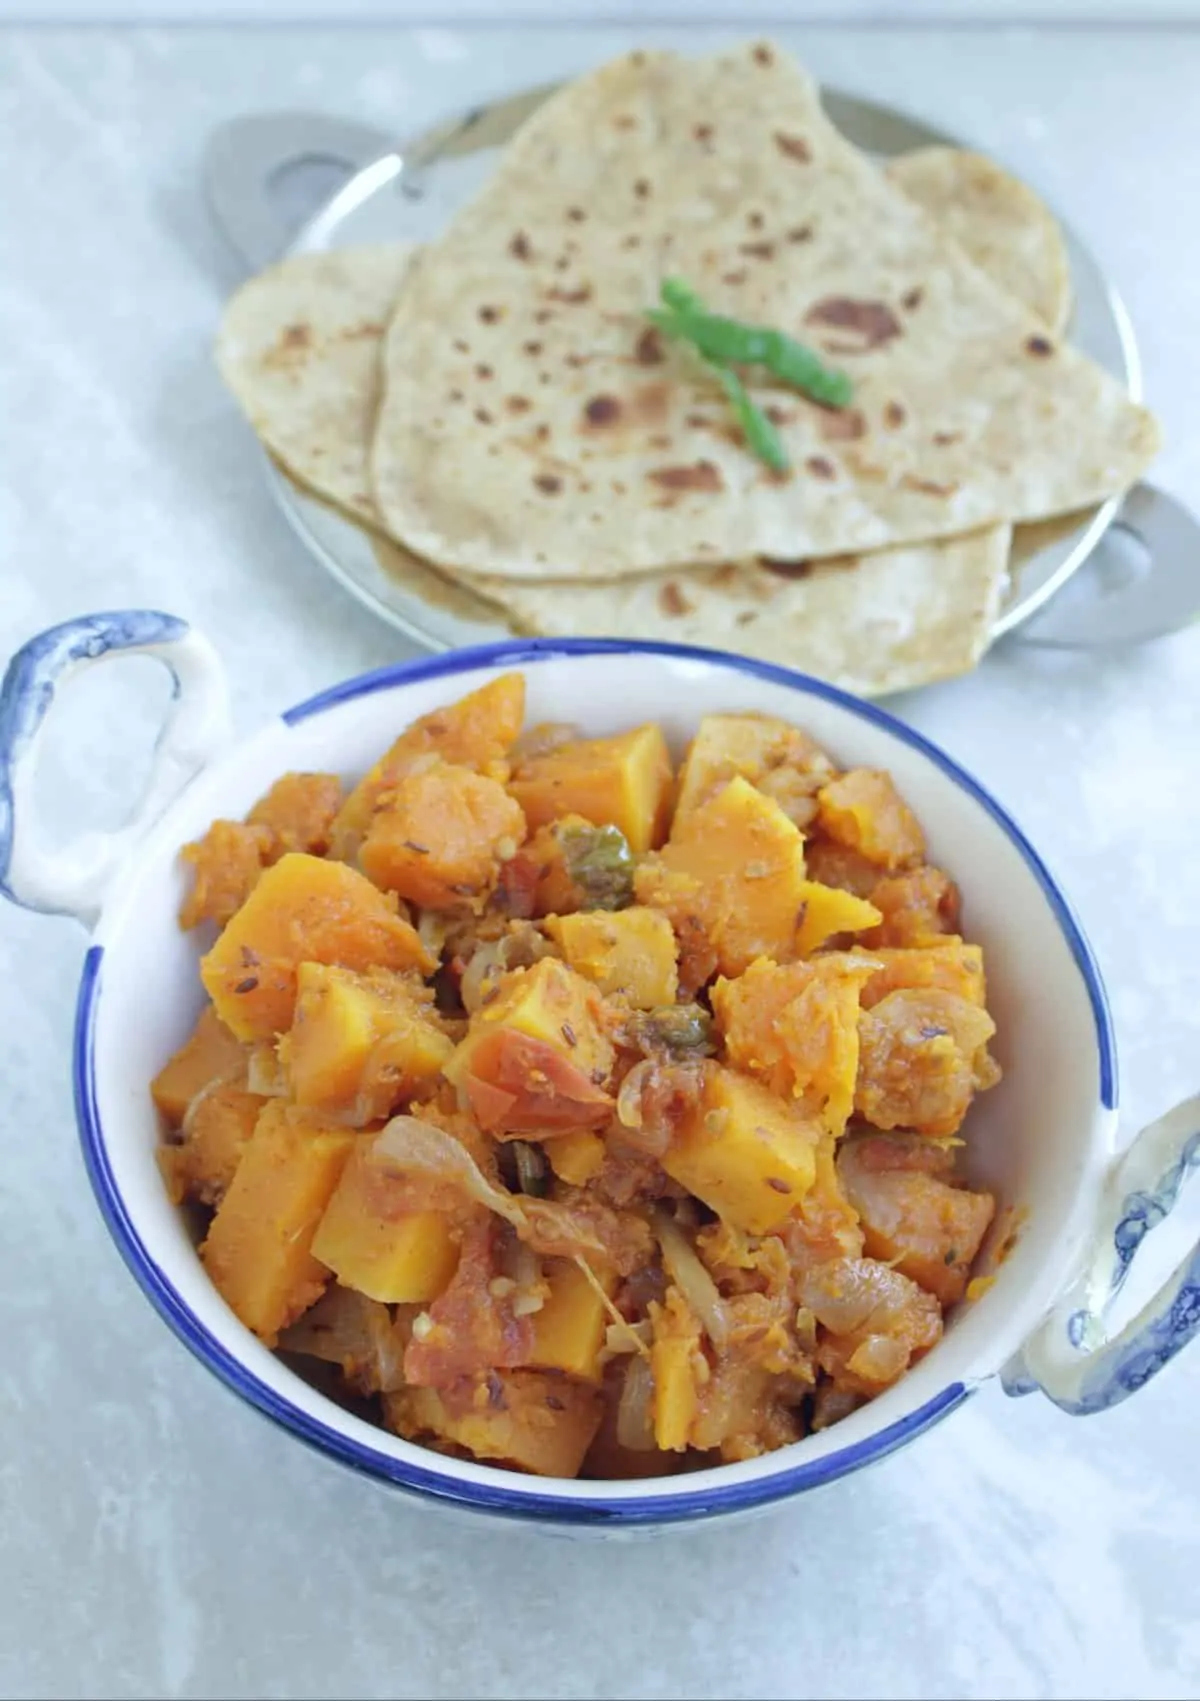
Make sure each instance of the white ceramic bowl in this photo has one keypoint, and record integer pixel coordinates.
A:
(1043, 1140)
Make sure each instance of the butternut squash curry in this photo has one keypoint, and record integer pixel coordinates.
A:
(582, 1117)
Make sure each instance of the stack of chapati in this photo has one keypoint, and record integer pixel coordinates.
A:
(498, 408)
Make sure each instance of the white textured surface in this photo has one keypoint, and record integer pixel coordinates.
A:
(158, 1540)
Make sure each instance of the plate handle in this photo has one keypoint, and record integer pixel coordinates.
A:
(75, 881)
(1102, 606)
(247, 158)
(1071, 1356)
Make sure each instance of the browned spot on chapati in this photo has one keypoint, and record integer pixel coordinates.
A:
(944, 438)
(602, 410)
(491, 315)
(755, 220)
(548, 483)
(795, 147)
(362, 332)
(462, 347)
(649, 403)
(672, 600)
(927, 486)
(483, 371)
(763, 54)
(785, 569)
(703, 133)
(734, 278)
(483, 416)
(632, 240)
(297, 336)
(757, 250)
(1039, 347)
(520, 247)
(624, 121)
(842, 425)
(534, 348)
(778, 415)
(725, 575)
(821, 468)
(649, 349)
(543, 316)
(872, 322)
(570, 297)
(576, 215)
(912, 299)
(517, 404)
(701, 475)
(746, 616)
(894, 415)
(800, 233)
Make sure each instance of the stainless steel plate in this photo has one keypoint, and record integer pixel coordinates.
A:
(409, 193)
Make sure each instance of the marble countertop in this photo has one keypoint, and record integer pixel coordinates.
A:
(157, 1539)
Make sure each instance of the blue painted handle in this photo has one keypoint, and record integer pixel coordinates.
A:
(1071, 1357)
(74, 881)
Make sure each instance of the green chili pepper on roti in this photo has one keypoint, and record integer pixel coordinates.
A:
(722, 343)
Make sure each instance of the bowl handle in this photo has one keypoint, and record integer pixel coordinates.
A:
(1071, 1357)
(74, 881)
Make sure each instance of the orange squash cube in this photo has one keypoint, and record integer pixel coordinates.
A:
(361, 1044)
(829, 910)
(475, 732)
(375, 1244)
(530, 1419)
(863, 811)
(211, 1053)
(258, 1251)
(568, 1332)
(673, 1366)
(795, 1029)
(577, 1156)
(628, 953)
(622, 782)
(218, 1131)
(439, 837)
(744, 1153)
(303, 909)
(734, 869)
(751, 745)
(949, 966)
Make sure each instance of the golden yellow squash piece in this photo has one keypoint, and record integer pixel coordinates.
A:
(211, 1054)
(829, 910)
(548, 1002)
(949, 966)
(795, 1028)
(373, 1244)
(630, 952)
(361, 1044)
(475, 732)
(673, 1367)
(303, 909)
(568, 1332)
(259, 1245)
(863, 811)
(440, 836)
(744, 1153)
(751, 745)
(538, 1422)
(624, 782)
(576, 1157)
(217, 1132)
(734, 869)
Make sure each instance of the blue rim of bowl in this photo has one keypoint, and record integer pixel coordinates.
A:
(536, 1505)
